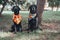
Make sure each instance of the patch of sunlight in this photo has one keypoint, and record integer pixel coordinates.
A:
(47, 31)
(5, 34)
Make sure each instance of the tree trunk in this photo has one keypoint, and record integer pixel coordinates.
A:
(57, 8)
(40, 9)
(52, 8)
(2, 8)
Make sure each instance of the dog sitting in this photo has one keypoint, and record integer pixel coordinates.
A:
(17, 19)
(32, 17)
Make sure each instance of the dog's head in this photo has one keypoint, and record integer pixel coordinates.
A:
(16, 10)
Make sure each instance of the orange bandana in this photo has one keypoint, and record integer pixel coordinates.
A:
(32, 15)
(17, 18)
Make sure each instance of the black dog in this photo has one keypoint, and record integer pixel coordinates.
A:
(32, 18)
(17, 19)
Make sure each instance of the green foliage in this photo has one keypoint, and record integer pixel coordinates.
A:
(57, 3)
(54, 3)
(13, 0)
(51, 4)
(22, 2)
(0, 1)
(53, 0)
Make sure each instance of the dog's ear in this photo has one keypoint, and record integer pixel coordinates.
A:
(15, 8)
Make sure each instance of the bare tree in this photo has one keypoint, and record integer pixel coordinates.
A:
(4, 3)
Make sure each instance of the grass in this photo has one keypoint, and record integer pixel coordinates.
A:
(48, 17)
(33, 36)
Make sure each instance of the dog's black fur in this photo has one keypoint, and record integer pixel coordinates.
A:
(32, 24)
(16, 28)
